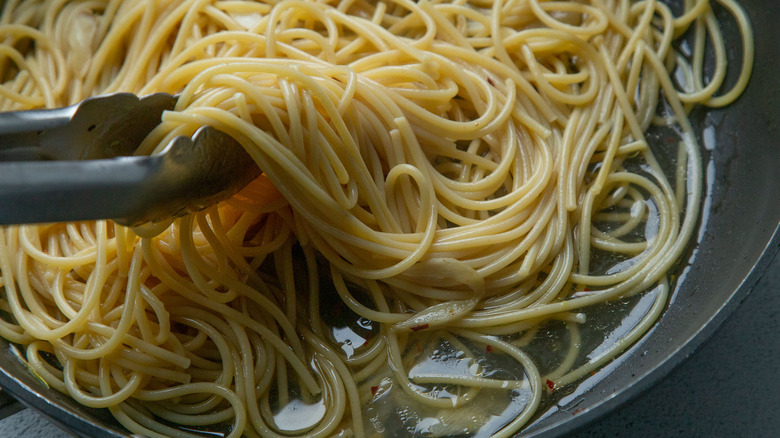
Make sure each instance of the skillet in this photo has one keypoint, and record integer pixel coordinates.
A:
(738, 237)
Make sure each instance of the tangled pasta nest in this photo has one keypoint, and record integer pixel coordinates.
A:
(459, 174)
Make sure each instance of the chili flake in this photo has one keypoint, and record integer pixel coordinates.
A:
(417, 328)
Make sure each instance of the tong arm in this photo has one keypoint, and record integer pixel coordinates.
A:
(54, 191)
(98, 127)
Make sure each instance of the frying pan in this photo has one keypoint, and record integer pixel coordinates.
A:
(738, 237)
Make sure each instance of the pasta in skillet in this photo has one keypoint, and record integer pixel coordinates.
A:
(443, 184)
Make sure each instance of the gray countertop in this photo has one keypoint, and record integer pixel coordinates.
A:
(730, 387)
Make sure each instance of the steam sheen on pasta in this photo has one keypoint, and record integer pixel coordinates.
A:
(443, 183)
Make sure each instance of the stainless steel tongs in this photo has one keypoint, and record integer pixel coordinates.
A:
(76, 163)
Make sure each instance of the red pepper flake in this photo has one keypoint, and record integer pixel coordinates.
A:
(550, 385)
(374, 389)
(417, 328)
(587, 289)
(419, 349)
(489, 348)
(490, 81)
(578, 411)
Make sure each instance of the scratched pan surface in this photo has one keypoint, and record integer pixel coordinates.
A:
(739, 236)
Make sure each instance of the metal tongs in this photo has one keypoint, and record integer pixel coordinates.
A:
(75, 163)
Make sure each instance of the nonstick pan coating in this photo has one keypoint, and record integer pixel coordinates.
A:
(738, 238)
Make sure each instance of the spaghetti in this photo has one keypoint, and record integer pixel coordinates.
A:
(444, 184)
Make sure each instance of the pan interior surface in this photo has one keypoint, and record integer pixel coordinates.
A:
(738, 234)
